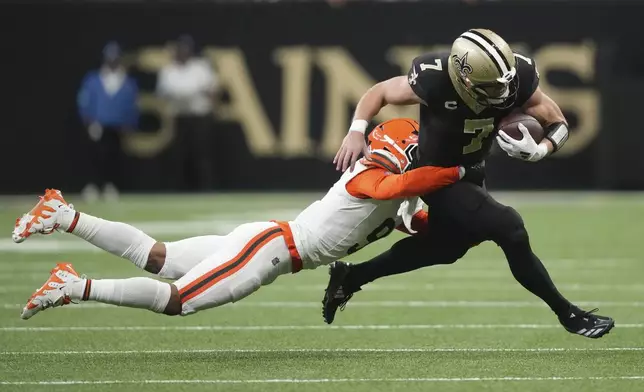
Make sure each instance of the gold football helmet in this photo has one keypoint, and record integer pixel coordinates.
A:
(482, 64)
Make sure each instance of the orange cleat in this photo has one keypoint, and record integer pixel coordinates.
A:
(44, 218)
(55, 292)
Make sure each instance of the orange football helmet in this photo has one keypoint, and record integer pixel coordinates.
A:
(392, 145)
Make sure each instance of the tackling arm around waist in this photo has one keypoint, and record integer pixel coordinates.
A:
(380, 184)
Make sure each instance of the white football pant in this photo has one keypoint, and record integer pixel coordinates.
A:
(252, 255)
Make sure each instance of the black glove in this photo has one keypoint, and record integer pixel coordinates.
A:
(475, 173)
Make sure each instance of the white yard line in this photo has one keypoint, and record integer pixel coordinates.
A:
(485, 276)
(210, 328)
(479, 286)
(468, 267)
(384, 304)
(411, 288)
(326, 350)
(323, 380)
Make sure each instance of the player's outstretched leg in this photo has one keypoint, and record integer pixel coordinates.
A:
(255, 255)
(169, 260)
(440, 246)
(65, 286)
(53, 213)
(511, 235)
(530, 272)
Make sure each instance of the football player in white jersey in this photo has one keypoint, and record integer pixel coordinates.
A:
(209, 271)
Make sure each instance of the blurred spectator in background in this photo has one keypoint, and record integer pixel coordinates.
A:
(107, 106)
(188, 85)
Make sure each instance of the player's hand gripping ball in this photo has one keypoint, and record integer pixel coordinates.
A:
(520, 135)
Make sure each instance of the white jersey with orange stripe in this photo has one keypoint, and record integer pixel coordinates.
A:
(340, 224)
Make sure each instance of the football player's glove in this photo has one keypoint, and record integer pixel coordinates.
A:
(526, 149)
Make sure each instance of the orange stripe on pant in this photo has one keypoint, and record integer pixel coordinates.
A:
(230, 267)
(296, 260)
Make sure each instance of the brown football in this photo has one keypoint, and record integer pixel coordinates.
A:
(510, 125)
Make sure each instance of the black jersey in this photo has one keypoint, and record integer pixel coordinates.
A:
(452, 133)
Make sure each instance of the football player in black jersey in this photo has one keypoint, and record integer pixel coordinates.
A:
(463, 95)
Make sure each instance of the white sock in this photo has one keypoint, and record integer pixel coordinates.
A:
(144, 293)
(117, 238)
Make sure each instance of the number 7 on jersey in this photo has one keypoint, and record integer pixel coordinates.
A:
(481, 129)
(437, 66)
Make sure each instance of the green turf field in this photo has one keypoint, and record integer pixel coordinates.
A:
(465, 327)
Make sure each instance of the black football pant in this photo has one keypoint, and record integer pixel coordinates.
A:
(192, 153)
(461, 216)
(106, 157)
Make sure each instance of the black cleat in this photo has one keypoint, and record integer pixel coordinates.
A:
(586, 324)
(336, 294)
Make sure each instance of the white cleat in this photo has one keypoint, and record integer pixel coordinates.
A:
(55, 292)
(44, 218)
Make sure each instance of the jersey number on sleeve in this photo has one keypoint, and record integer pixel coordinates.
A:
(526, 59)
(437, 66)
(481, 129)
(529, 61)
(379, 232)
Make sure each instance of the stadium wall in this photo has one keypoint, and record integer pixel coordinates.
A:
(291, 75)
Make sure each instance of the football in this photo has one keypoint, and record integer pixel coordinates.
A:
(510, 125)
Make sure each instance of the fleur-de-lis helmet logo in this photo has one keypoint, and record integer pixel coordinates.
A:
(461, 64)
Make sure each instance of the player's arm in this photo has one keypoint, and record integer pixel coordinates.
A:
(537, 104)
(380, 184)
(394, 91)
(548, 113)
(400, 90)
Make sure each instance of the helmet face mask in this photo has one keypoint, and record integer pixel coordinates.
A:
(485, 68)
(499, 94)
